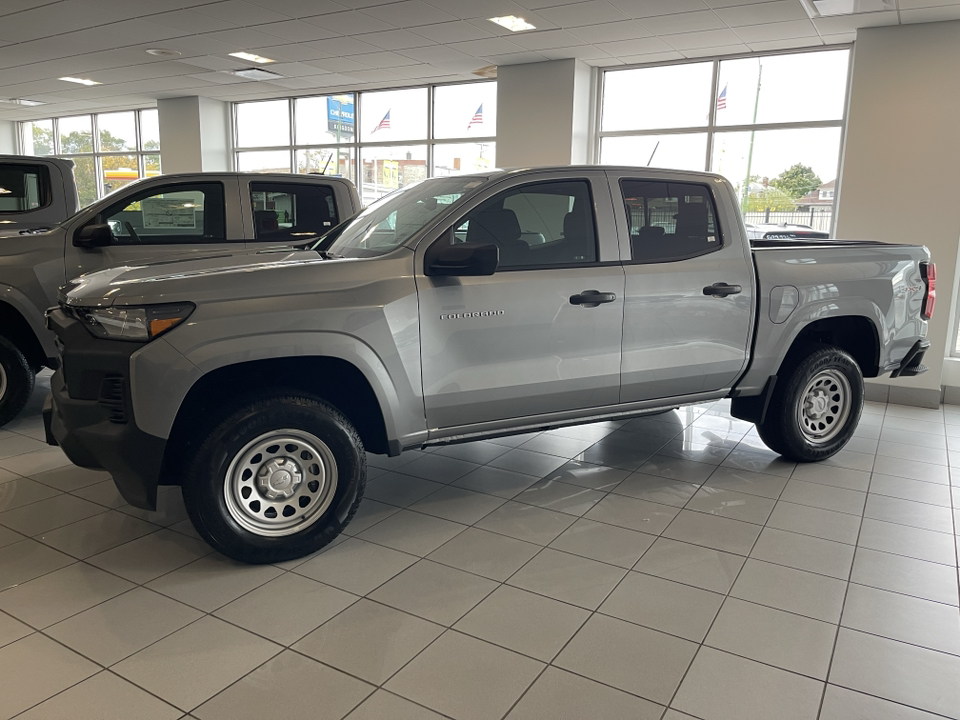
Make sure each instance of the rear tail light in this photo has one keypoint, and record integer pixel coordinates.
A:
(929, 272)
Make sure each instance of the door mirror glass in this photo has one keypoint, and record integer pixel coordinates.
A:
(95, 235)
(462, 259)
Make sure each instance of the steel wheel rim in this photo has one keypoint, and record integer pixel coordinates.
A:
(824, 406)
(3, 381)
(280, 483)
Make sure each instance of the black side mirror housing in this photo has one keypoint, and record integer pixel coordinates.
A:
(462, 259)
(95, 235)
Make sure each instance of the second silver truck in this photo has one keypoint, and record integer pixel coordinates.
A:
(463, 308)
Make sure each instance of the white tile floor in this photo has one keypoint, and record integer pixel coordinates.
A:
(608, 571)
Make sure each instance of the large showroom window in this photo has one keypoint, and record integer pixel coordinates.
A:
(381, 140)
(772, 124)
(110, 149)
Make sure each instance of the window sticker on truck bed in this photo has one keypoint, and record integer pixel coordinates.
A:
(168, 213)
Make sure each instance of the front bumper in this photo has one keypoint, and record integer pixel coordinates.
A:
(93, 420)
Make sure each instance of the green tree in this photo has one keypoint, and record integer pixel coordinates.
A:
(769, 198)
(797, 181)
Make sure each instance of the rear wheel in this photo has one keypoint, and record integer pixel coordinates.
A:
(277, 479)
(16, 381)
(815, 406)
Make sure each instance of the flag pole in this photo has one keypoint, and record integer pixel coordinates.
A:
(756, 102)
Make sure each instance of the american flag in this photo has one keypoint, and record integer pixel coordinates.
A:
(722, 100)
(477, 118)
(385, 123)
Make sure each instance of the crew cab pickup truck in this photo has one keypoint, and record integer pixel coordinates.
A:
(36, 193)
(200, 214)
(463, 308)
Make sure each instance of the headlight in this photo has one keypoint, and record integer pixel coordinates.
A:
(139, 324)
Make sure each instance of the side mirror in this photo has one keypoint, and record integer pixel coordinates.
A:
(91, 236)
(463, 259)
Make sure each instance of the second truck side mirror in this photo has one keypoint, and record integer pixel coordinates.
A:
(90, 236)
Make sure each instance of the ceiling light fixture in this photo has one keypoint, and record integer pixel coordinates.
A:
(255, 74)
(4, 191)
(513, 23)
(252, 57)
(163, 52)
(828, 8)
(21, 101)
(81, 81)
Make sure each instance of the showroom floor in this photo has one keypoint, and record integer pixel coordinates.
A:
(605, 571)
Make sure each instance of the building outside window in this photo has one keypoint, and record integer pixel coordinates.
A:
(109, 150)
(381, 140)
(772, 124)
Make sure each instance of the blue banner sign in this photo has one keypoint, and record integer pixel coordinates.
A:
(340, 116)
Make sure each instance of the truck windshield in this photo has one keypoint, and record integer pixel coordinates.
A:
(390, 222)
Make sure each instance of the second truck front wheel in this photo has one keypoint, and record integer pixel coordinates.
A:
(16, 381)
(275, 480)
(815, 407)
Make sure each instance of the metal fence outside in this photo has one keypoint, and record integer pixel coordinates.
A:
(817, 218)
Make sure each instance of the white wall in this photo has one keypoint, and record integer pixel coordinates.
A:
(8, 137)
(543, 113)
(195, 135)
(899, 180)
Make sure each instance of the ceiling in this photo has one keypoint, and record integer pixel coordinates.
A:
(327, 45)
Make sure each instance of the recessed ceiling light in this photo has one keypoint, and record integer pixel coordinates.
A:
(82, 81)
(252, 57)
(4, 191)
(164, 52)
(826, 8)
(22, 101)
(513, 23)
(255, 74)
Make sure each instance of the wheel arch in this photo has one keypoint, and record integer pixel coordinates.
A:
(19, 331)
(332, 379)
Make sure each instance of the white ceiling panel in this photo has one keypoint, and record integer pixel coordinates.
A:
(847, 23)
(191, 22)
(295, 31)
(420, 70)
(640, 46)
(488, 46)
(243, 38)
(395, 40)
(546, 40)
(390, 60)
(583, 13)
(652, 57)
(914, 4)
(13, 6)
(683, 22)
(714, 51)
(211, 62)
(241, 13)
(292, 52)
(794, 29)
(651, 8)
(221, 78)
(469, 9)
(784, 44)
(338, 64)
(410, 13)
(450, 32)
(706, 39)
(201, 45)
(351, 22)
(47, 20)
(297, 69)
(733, 3)
(300, 8)
(338, 46)
(581, 52)
(610, 32)
(377, 76)
(935, 14)
(770, 12)
(520, 58)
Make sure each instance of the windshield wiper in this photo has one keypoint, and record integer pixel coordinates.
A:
(327, 255)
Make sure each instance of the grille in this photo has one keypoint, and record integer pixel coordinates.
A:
(113, 397)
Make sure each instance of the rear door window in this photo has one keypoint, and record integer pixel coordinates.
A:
(292, 211)
(188, 213)
(23, 188)
(669, 221)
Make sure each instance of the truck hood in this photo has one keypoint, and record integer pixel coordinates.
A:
(172, 279)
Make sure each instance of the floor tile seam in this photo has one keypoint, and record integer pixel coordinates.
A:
(726, 517)
(69, 492)
(21, 454)
(146, 586)
(902, 641)
(70, 687)
(95, 502)
(62, 567)
(818, 507)
(59, 527)
(949, 533)
(72, 615)
(919, 502)
(894, 702)
(38, 539)
(901, 477)
(526, 689)
(769, 663)
(912, 557)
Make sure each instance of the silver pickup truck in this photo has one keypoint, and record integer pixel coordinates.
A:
(463, 308)
(202, 214)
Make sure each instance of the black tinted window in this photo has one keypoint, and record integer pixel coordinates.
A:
(535, 225)
(172, 214)
(22, 188)
(292, 211)
(669, 221)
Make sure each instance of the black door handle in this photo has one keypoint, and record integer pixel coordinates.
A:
(592, 298)
(722, 289)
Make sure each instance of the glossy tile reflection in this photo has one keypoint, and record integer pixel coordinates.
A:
(634, 569)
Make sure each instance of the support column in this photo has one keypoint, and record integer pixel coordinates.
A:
(8, 137)
(899, 181)
(543, 113)
(195, 135)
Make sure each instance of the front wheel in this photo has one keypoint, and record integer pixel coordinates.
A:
(815, 406)
(275, 480)
(16, 381)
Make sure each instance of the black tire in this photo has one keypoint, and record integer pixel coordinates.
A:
(836, 396)
(211, 492)
(16, 381)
